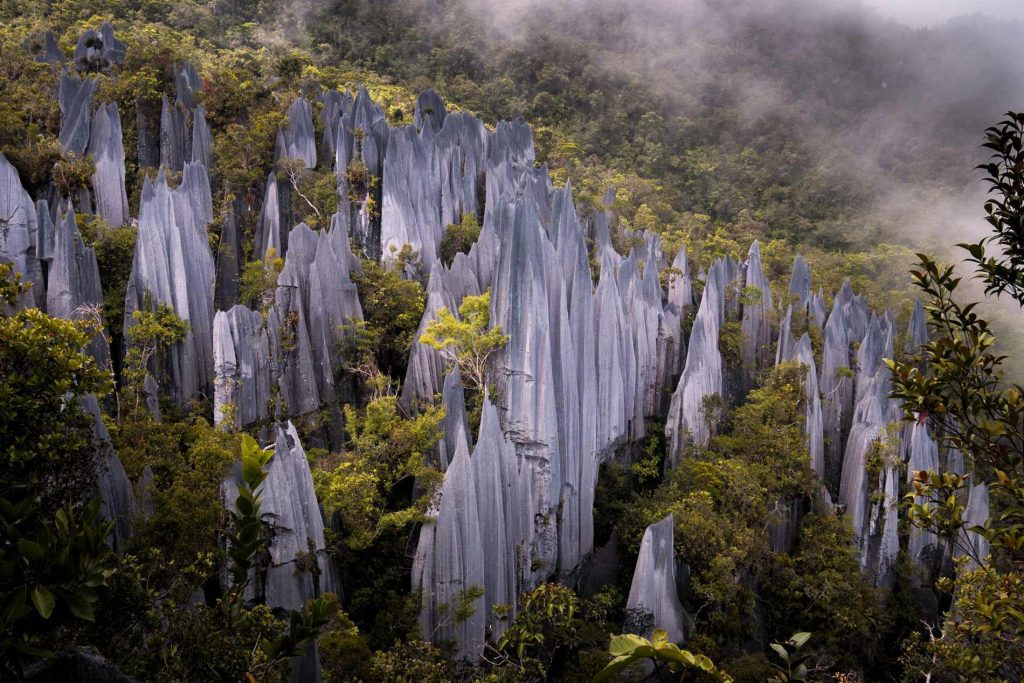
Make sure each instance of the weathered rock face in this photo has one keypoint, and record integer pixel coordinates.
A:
(359, 136)
(73, 286)
(836, 387)
(804, 354)
(874, 517)
(18, 238)
(426, 366)
(296, 140)
(107, 150)
(176, 119)
(973, 545)
(701, 381)
(173, 265)
(75, 110)
(117, 501)
(653, 591)
(456, 423)
(98, 50)
(241, 351)
(756, 300)
(450, 560)
(923, 455)
(291, 509)
(800, 285)
(287, 365)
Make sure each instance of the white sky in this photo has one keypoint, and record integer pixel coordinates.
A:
(931, 12)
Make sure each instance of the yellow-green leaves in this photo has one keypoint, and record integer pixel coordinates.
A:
(627, 649)
(466, 340)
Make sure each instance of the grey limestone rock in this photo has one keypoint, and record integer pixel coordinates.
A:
(800, 285)
(702, 376)
(75, 108)
(755, 324)
(456, 423)
(241, 349)
(296, 139)
(423, 377)
(450, 560)
(18, 232)
(291, 509)
(813, 425)
(923, 455)
(107, 150)
(653, 590)
(73, 287)
(117, 500)
(972, 545)
(202, 139)
(173, 265)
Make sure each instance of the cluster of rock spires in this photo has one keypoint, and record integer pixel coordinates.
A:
(584, 369)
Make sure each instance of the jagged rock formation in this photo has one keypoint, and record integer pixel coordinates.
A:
(291, 509)
(97, 50)
(426, 366)
(360, 140)
(688, 417)
(176, 118)
(117, 500)
(73, 285)
(756, 300)
(813, 421)
(456, 422)
(45, 49)
(287, 365)
(432, 172)
(18, 236)
(653, 591)
(973, 545)
(923, 455)
(450, 559)
(173, 265)
(295, 140)
(800, 285)
(75, 108)
(107, 150)
(869, 487)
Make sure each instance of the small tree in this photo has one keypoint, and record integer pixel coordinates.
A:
(154, 330)
(955, 383)
(459, 237)
(467, 341)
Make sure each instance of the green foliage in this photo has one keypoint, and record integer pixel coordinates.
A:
(555, 636)
(411, 662)
(53, 557)
(258, 281)
(115, 250)
(459, 237)
(392, 308)
(628, 649)
(385, 452)
(466, 341)
(1003, 274)
(792, 667)
(154, 330)
(722, 498)
(819, 587)
(249, 536)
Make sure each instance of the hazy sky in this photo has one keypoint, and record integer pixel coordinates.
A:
(930, 12)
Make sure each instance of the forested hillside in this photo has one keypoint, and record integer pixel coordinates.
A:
(445, 341)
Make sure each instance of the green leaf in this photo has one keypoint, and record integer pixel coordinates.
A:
(43, 600)
(31, 550)
(799, 639)
(626, 644)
